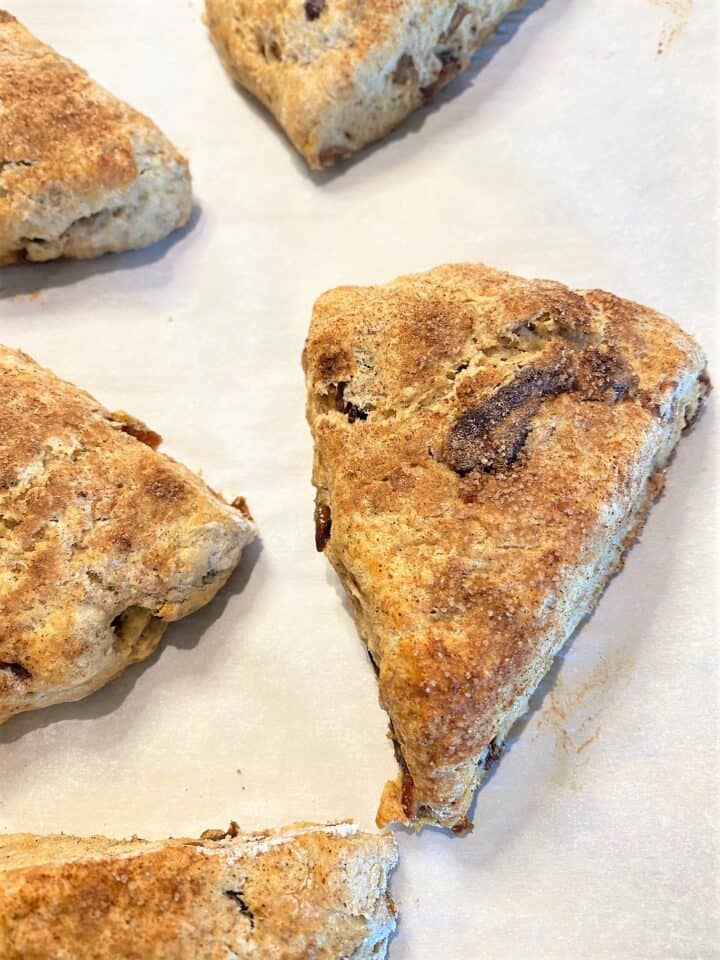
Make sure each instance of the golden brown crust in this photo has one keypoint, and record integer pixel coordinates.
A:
(103, 539)
(305, 891)
(484, 446)
(81, 172)
(339, 75)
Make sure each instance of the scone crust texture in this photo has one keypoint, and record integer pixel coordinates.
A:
(486, 447)
(81, 172)
(103, 540)
(304, 891)
(338, 74)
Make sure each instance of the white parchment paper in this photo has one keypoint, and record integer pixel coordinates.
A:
(581, 148)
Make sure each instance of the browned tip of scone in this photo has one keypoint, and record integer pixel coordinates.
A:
(81, 172)
(486, 448)
(391, 809)
(240, 503)
(137, 429)
(104, 540)
(308, 890)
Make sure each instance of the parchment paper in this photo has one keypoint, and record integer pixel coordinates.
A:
(580, 148)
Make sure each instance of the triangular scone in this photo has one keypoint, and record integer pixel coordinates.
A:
(81, 172)
(304, 891)
(103, 540)
(338, 74)
(486, 447)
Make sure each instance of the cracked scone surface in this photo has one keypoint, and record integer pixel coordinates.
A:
(338, 74)
(102, 539)
(81, 172)
(306, 891)
(486, 447)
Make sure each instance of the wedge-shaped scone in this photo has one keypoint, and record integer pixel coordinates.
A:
(338, 74)
(102, 540)
(486, 447)
(81, 173)
(304, 892)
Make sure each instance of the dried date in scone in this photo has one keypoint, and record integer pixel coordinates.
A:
(305, 891)
(486, 448)
(81, 172)
(103, 540)
(338, 74)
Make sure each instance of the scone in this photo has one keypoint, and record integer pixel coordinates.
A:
(338, 74)
(305, 891)
(102, 539)
(486, 449)
(81, 172)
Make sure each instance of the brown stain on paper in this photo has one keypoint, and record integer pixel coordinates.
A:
(679, 11)
(575, 735)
